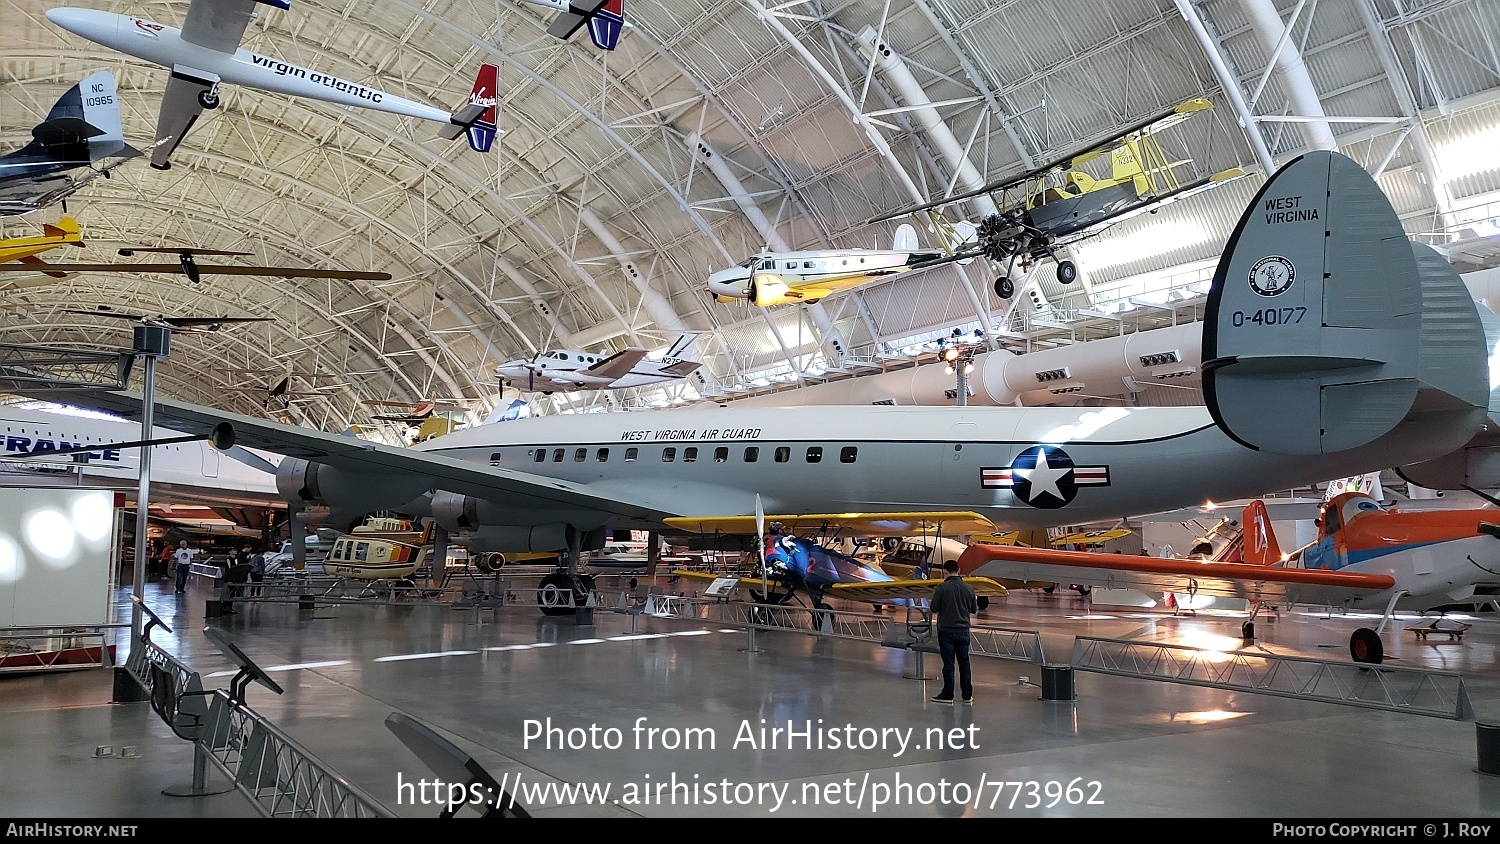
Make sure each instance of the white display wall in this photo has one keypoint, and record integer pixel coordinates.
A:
(55, 552)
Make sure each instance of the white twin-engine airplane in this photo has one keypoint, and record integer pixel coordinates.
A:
(775, 278)
(206, 52)
(1361, 351)
(566, 370)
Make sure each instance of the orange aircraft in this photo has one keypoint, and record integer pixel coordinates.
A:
(1365, 557)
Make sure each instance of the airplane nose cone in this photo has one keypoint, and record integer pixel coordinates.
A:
(77, 21)
(731, 282)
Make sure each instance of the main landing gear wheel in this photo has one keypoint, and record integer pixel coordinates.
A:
(1005, 288)
(1067, 272)
(984, 602)
(552, 594)
(1365, 646)
(208, 99)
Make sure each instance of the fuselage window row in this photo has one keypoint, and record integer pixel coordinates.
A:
(782, 454)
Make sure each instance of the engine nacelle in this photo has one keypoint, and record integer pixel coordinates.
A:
(490, 528)
(331, 495)
(768, 289)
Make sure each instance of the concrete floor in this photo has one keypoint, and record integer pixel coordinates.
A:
(1129, 747)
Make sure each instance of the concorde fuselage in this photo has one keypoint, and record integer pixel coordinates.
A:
(164, 45)
(195, 465)
(1021, 467)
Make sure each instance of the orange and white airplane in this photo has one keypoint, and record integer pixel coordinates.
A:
(1365, 557)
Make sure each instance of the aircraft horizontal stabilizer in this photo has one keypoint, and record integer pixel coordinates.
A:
(1317, 310)
(462, 119)
(681, 368)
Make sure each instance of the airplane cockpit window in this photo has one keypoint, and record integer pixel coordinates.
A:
(1355, 506)
(849, 454)
(783, 453)
(631, 454)
(752, 453)
(580, 455)
(815, 454)
(690, 455)
(768, 265)
(668, 455)
(557, 455)
(721, 454)
(603, 455)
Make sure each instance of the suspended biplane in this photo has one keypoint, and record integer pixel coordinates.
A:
(1060, 201)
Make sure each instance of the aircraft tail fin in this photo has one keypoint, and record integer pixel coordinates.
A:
(683, 348)
(606, 24)
(1260, 546)
(476, 118)
(1317, 309)
(486, 93)
(67, 228)
(906, 238)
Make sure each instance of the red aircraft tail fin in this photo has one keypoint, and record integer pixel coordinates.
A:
(1261, 548)
(485, 93)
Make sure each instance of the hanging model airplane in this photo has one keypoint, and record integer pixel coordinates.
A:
(1332, 370)
(1060, 202)
(206, 52)
(1366, 557)
(567, 370)
(24, 250)
(191, 325)
(605, 18)
(188, 265)
(81, 132)
(775, 278)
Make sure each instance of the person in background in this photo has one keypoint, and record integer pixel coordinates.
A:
(954, 602)
(257, 569)
(183, 557)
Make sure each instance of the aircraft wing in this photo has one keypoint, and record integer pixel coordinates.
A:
(218, 24)
(681, 368)
(867, 592)
(219, 269)
(1157, 574)
(954, 523)
(617, 365)
(1089, 225)
(180, 109)
(507, 488)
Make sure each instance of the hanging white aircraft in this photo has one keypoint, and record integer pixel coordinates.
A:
(1333, 346)
(207, 52)
(565, 370)
(775, 278)
(606, 19)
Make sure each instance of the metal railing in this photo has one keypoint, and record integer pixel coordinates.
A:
(279, 776)
(1419, 691)
(25, 649)
(914, 633)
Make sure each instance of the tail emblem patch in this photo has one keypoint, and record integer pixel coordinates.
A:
(1272, 275)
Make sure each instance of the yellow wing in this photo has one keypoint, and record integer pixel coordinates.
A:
(955, 523)
(1091, 537)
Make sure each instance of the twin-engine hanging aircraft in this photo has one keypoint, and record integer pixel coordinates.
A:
(774, 278)
(606, 19)
(81, 131)
(1366, 557)
(569, 370)
(1333, 346)
(207, 52)
(1060, 201)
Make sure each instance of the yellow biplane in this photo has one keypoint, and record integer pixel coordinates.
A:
(1060, 201)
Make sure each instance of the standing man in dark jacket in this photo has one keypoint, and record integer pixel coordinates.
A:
(953, 601)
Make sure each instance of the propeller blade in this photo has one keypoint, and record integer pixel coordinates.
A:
(226, 269)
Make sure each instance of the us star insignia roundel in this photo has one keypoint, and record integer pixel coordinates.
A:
(1044, 476)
